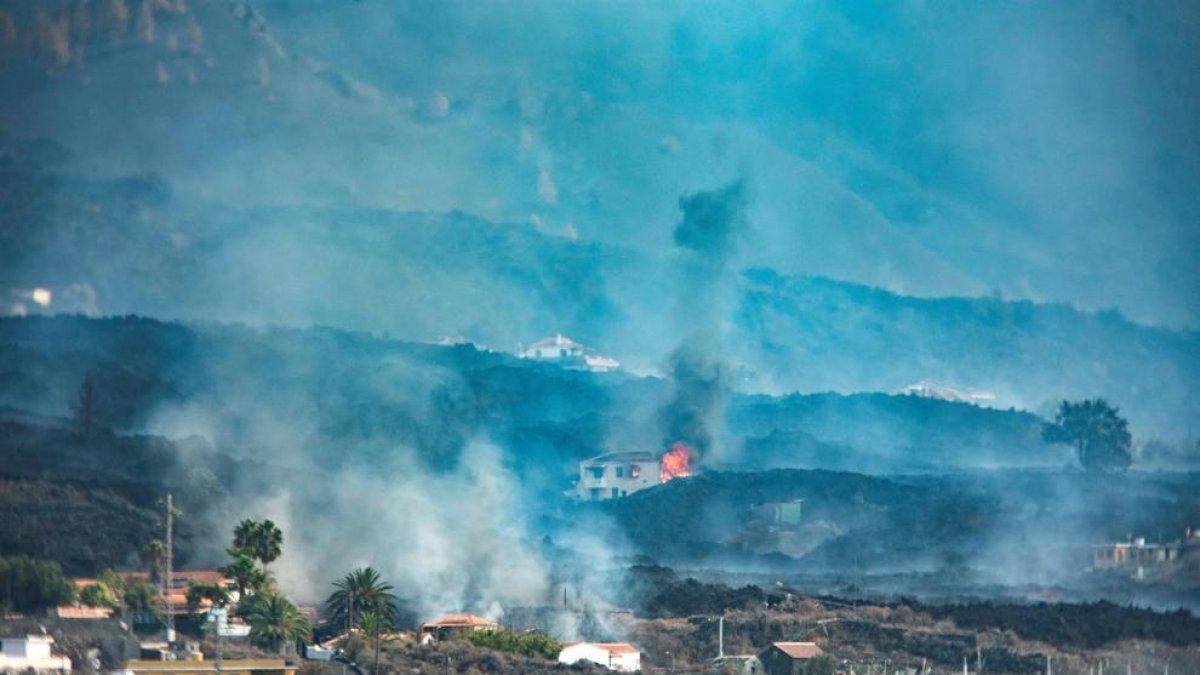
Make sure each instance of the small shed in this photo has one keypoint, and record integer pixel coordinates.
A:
(788, 658)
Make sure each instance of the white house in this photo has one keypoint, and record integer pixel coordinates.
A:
(620, 656)
(569, 354)
(557, 348)
(617, 474)
(19, 654)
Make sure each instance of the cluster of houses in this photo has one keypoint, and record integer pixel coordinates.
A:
(1141, 559)
(34, 654)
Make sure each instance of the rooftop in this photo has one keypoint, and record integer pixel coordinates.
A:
(459, 620)
(556, 341)
(612, 647)
(799, 650)
(625, 457)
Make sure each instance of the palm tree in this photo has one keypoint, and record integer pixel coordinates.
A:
(244, 534)
(373, 628)
(244, 573)
(154, 556)
(361, 591)
(268, 542)
(275, 622)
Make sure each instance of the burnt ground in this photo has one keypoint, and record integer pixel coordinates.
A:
(680, 617)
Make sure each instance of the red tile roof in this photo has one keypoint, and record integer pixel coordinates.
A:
(799, 650)
(83, 612)
(612, 647)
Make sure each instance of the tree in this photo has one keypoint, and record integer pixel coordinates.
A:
(275, 622)
(373, 628)
(244, 533)
(98, 595)
(29, 585)
(261, 541)
(154, 557)
(1099, 435)
(359, 592)
(268, 542)
(245, 575)
(197, 593)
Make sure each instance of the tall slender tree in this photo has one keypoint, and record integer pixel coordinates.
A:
(373, 628)
(360, 592)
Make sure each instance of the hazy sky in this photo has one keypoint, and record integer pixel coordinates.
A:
(1046, 151)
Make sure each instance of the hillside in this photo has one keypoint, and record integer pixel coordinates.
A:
(419, 276)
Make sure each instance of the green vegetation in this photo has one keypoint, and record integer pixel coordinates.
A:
(359, 592)
(98, 595)
(1099, 435)
(29, 585)
(275, 622)
(197, 593)
(373, 628)
(261, 541)
(820, 665)
(244, 573)
(525, 644)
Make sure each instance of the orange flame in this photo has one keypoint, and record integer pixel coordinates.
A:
(677, 462)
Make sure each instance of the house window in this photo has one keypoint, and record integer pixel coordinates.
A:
(595, 493)
(635, 471)
(597, 472)
(616, 493)
(562, 353)
(620, 472)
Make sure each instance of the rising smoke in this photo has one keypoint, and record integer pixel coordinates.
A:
(706, 238)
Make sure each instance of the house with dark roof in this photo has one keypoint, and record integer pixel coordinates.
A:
(789, 658)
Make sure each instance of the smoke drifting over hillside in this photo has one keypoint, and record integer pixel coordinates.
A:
(706, 238)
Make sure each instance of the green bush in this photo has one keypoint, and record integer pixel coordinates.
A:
(29, 585)
(525, 644)
(98, 595)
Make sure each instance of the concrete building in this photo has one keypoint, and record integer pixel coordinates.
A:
(788, 658)
(1138, 557)
(31, 652)
(620, 656)
(617, 474)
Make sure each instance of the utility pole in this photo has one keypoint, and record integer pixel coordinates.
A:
(721, 637)
(169, 577)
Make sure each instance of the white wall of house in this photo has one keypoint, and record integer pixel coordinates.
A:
(628, 662)
(18, 654)
(610, 479)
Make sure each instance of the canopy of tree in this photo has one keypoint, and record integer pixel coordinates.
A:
(360, 592)
(1099, 435)
(29, 585)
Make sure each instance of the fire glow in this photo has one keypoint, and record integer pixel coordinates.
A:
(677, 462)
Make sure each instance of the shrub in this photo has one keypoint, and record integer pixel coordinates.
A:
(525, 644)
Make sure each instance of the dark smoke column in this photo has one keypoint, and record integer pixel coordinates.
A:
(713, 223)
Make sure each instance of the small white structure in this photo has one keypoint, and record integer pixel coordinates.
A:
(617, 474)
(620, 656)
(319, 653)
(946, 392)
(18, 654)
(569, 354)
(225, 627)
